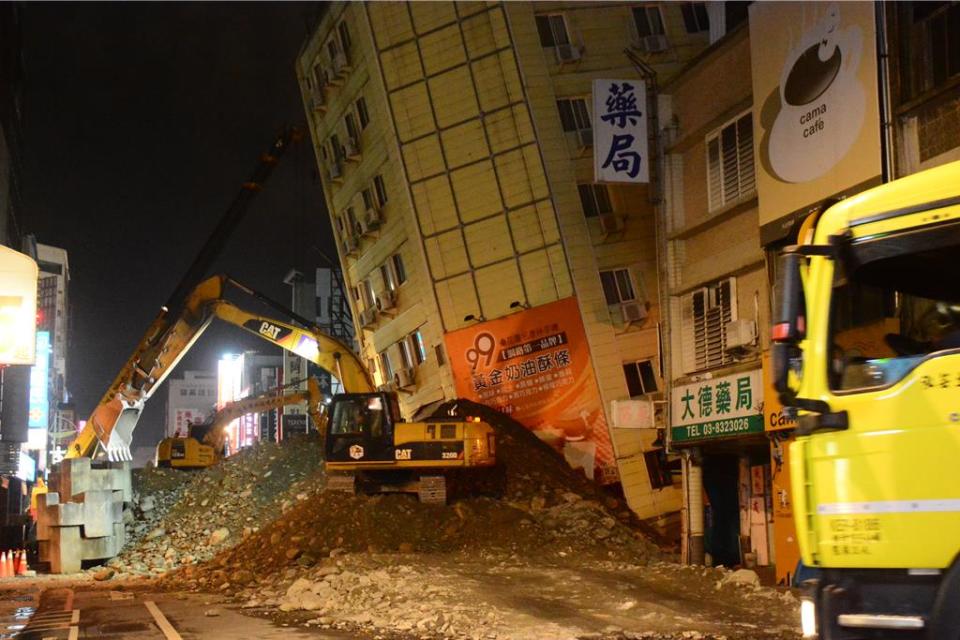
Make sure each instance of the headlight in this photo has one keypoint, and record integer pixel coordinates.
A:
(808, 618)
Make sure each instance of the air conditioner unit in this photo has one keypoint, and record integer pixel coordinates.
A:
(653, 44)
(362, 228)
(634, 311)
(368, 317)
(740, 334)
(387, 300)
(373, 219)
(405, 378)
(351, 149)
(610, 223)
(567, 53)
(340, 64)
(584, 138)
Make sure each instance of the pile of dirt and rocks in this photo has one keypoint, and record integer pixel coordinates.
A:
(184, 517)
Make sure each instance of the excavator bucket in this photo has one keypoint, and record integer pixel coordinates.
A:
(121, 437)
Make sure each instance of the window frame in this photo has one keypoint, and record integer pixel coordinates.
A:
(593, 188)
(704, 337)
(418, 347)
(580, 118)
(637, 367)
(719, 175)
(689, 12)
(399, 269)
(380, 189)
(343, 32)
(617, 273)
(647, 9)
(363, 113)
(350, 124)
(547, 22)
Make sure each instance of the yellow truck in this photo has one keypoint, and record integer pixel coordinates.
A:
(866, 350)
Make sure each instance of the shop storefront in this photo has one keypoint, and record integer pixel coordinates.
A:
(719, 426)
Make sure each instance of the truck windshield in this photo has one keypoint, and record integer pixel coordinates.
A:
(895, 302)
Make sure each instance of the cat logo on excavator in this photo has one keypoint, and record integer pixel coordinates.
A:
(356, 452)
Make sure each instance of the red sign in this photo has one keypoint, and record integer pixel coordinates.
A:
(535, 367)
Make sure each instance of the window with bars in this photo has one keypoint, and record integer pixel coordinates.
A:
(640, 378)
(695, 18)
(704, 317)
(730, 166)
(617, 286)
(595, 199)
(648, 21)
(574, 115)
(553, 30)
(929, 45)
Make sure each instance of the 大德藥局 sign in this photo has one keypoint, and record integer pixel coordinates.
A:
(620, 131)
(717, 408)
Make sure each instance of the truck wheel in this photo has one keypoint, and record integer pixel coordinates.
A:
(945, 616)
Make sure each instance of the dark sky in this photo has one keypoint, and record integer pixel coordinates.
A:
(140, 123)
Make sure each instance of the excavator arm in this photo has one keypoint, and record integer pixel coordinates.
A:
(164, 345)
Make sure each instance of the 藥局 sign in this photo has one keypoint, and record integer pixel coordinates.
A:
(717, 408)
(816, 105)
(620, 131)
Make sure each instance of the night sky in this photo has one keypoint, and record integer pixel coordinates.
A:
(140, 123)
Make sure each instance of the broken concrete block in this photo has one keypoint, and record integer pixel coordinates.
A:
(58, 515)
(97, 513)
(72, 477)
(122, 479)
(48, 498)
(98, 548)
(116, 506)
(119, 536)
(64, 551)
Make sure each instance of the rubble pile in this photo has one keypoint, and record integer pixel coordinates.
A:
(184, 517)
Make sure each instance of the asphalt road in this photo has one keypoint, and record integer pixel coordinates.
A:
(74, 611)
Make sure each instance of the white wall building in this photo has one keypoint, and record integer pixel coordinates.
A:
(190, 399)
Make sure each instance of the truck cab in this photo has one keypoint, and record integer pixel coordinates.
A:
(867, 350)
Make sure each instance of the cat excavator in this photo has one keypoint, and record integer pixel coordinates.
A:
(367, 444)
(205, 443)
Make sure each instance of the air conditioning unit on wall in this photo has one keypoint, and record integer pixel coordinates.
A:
(567, 53)
(386, 300)
(653, 44)
(740, 334)
(368, 317)
(405, 378)
(633, 311)
(610, 223)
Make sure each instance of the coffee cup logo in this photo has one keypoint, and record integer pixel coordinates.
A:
(821, 101)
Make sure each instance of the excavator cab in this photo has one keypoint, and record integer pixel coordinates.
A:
(361, 428)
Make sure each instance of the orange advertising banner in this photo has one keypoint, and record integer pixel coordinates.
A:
(535, 367)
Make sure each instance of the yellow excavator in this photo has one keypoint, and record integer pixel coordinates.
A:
(368, 446)
(205, 443)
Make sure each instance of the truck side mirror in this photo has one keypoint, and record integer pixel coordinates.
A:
(789, 322)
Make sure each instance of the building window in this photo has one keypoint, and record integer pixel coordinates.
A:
(386, 367)
(350, 221)
(362, 113)
(333, 50)
(730, 167)
(553, 30)
(595, 199)
(659, 468)
(617, 286)
(930, 45)
(319, 75)
(648, 21)
(381, 190)
(388, 280)
(336, 148)
(399, 271)
(417, 347)
(353, 132)
(695, 17)
(344, 36)
(366, 291)
(367, 199)
(574, 115)
(640, 378)
(704, 315)
(406, 357)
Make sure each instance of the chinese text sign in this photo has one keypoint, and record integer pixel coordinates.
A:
(717, 408)
(535, 367)
(620, 131)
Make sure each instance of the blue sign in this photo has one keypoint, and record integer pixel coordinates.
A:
(40, 384)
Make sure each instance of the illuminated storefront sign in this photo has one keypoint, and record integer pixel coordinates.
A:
(535, 366)
(18, 307)
(39, 417)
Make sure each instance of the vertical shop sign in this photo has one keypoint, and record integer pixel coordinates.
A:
(535, 367)
(620, 131)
